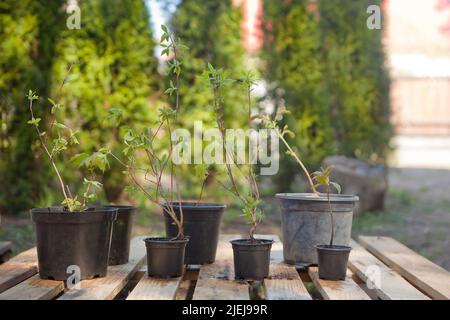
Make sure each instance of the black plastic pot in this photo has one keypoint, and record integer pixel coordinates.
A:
(121, 235)
(165, 257)
(251, 258)
(333, 261)
(202, 226)
(73, 239)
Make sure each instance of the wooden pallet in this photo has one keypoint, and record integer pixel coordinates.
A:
(402, 274)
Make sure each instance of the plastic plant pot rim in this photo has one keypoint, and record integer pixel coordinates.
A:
(246, 243)
(318, 197)
(58, 215)
(335, 249)
(123, 208)
(165, 240)
(197, 206)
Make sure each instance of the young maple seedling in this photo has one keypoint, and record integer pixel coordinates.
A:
(251, 201)
(322, 178)
(55, 140)
(144, 142)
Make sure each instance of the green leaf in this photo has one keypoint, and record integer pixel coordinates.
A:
(79, 158)
(34, 121)
(60, 125)
(32, 95)
(336, 186)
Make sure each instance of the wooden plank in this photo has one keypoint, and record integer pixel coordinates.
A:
(108, 287)
(155, 289)
(421, 272)
(18, 269)
(34, 288)
(390, 285)
(216, 281)
(337, 290)
(284, 282)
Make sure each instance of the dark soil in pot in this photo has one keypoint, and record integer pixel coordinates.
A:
(121, 235)
(305, 222)
(333, 261)
(251, 258)
(80, 239)
(165, 257)
(202, 226)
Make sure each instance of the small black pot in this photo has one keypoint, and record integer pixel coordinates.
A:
(251, 258)
(333, 261)
(121, 235)
(202, 226)
(165, 257)
(79, 239)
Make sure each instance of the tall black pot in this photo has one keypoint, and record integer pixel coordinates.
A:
(202, 226)
(71, 241)
(121, 235)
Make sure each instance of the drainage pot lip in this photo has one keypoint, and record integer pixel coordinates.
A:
(197, 205)
(165, 241)
(247, 243)
(333, 249)
(320, 197)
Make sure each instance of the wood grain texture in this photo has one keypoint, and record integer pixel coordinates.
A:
(118, 276)
(284, 282)
(155, 289)
(421, 272)
(337, 290)
(390, 286)
(34, 288)
(18, 269)
(216, 280)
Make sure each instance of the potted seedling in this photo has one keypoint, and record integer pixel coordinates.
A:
(304, 216)
(251, 255)
(165, 255)
(201, 223)
(73, 237)
(332, 258)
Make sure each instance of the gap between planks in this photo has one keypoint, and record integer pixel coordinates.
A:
(117, 278)
(18, 269)
(386, 283)
(284, 282)
(421, 272)
(216, 281)
(346, 289)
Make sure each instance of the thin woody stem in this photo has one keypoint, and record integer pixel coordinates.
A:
(52, 161)
(313, 188)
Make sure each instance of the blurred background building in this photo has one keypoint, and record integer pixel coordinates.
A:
(417, 40)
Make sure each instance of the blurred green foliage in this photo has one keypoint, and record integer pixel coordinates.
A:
(212, 31)
(29, 30)
(319, 60)
(327, 68)
(114, 69)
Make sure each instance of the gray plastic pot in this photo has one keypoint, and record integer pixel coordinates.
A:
(305, 221)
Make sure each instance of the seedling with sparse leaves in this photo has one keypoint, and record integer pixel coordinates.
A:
(322, 179)
(251, 201)
(57, 138)
(143, 143)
